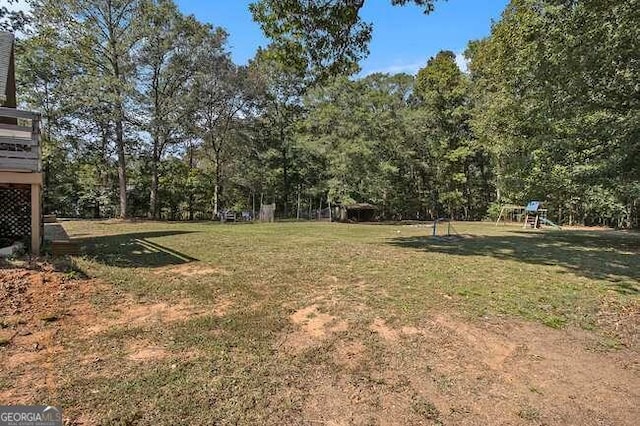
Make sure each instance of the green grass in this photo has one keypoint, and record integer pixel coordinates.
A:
(238, 373)
(555, 278)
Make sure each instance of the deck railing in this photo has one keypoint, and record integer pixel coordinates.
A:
(19, 141)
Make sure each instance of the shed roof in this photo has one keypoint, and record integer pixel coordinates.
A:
(6, 48)
(360, 206)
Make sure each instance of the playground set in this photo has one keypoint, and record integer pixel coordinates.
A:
(533, 216)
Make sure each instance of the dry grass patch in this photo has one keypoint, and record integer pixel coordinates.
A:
(145, 351)
(192, 270)
(331, 324)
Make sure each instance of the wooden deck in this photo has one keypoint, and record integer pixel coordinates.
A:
(19, 141)
(21, 166)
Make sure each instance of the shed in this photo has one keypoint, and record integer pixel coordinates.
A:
(357, 212)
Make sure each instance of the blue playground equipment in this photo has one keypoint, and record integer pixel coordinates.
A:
(536, 216)
(533, 214)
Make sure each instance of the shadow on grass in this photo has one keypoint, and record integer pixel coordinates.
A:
(134, 250)
(612, 257)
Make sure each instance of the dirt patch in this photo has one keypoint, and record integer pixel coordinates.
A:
(30, 296)
(193, 270)
(16, 360)
(136, 315)
(41, 310)
(312, 321)
(380, 327)
(130, 313)
(349, 354)
(492, 349)
(313, 327)
(35, 305)
(451, 371)
(145, 352)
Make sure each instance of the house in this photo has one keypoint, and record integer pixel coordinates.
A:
(20, 159)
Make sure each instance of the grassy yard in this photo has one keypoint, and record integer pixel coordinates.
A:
(319, 323)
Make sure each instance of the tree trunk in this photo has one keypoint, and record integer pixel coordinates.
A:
(217, 190)
(215, 199)
(190, 202)
(119, 113)
(253, 212)
(285, 173)
(122, 166)
(153, 197)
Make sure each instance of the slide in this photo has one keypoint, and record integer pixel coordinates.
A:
(549, 223)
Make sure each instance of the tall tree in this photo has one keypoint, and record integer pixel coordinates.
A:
(45, 72)
(322, 37)
(279, 90)
(167, 61)
(102, 34)
(443, 92)
(218, 97)
(557, 103)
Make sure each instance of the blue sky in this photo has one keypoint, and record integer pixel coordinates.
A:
(403, 37)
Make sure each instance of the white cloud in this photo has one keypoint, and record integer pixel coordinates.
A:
(462, 62)
(409, 68)
(19, 5)
(413, 67)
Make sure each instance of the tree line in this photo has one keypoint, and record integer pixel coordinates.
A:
(146, 115)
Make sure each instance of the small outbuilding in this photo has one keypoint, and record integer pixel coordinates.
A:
(358, 212)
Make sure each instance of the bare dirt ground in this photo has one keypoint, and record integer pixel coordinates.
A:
(448, 371)
(38, 306)
(444, 371)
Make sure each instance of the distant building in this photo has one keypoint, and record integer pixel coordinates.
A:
(357, 212)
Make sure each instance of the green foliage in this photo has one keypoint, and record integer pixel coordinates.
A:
(557, 104)
(322, 38)
(459, 165)
(145, 114)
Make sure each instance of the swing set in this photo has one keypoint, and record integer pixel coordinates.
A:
(533, 215)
